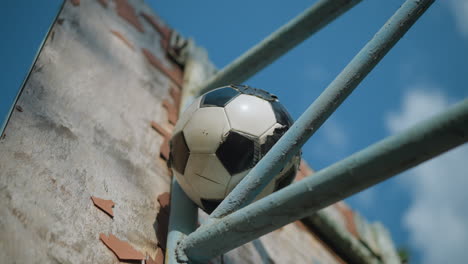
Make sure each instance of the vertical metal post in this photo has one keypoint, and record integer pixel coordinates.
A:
(182, 220)
(279, 42)
(291, 142)
(344, 178)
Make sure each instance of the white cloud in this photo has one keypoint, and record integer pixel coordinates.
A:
(459, 9)
(418, 104)
(437, 218)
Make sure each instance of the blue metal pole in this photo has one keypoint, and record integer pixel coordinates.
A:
(182, 220)
(347, 177)
(291, 142)
(279, 42)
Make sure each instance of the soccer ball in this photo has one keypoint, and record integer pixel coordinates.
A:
(221, 136)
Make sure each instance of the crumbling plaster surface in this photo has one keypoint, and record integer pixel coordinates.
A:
(84, 131)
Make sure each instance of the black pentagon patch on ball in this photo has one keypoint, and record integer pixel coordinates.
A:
(236, 153)
(281, 114)
(179, 152)
(219, 97)
(210, 205)
(286, 179)
(255, 92)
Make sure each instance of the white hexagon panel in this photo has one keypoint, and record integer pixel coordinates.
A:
(250, 114)
(205, 130)
(207, 175)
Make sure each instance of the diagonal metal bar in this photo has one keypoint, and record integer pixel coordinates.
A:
(347, 177)
(291, 142)
(279, 42)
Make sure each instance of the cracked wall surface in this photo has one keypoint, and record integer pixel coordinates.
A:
(84, 131)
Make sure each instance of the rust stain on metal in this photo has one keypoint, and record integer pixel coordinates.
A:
(123, 250)
(163, 219)
(123, 39)
(348, 215)
(103, 2)
(173, 113)
(75, 2)
(105, 205)
(175, 74)
(127, 12)
(19, 108)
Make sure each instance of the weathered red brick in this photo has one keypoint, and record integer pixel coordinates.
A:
(75, 2)
(159, 257)
(348, 215)
(105, 205)
(162, 29)
(122, 38)
(175, 74)
(122, 250)
(175, 95)
(127, 12)
(172, 112)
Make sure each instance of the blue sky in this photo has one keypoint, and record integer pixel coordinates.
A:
(427, 71)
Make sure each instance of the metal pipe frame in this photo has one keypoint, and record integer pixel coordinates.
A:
(183, 217)
(318, 112)
(183, 212)
(279, 42)
(342, 179)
